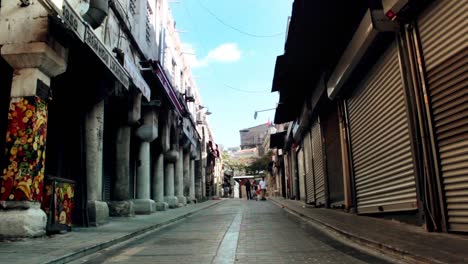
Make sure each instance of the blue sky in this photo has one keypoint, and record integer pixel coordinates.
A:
(227, 61)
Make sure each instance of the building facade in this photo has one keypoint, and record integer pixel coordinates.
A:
(101, 114)
(378, 116)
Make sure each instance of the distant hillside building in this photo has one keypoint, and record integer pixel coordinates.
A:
(253, 137)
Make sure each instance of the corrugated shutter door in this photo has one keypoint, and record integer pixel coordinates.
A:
(287, 174)
(301, 171)
(317, 156)
(444, 38)
(310, 186)
(107, 187)
(380, 140)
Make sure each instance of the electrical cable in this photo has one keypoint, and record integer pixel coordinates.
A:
(235, 28)
(246, 91)
(209, 67)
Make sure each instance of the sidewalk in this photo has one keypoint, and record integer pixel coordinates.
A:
(407, 242)
(80, 242)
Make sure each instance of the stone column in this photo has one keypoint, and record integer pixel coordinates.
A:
(186, 167)
(170, 158)
(146, 133)
(192, 155)
(121, 206)
(179, 179)
(98, 210)
(22, 179)
(192, 182)
(158, 184)
(198, 175)
(203, 179)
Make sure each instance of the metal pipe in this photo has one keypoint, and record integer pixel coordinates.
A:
(97, 12)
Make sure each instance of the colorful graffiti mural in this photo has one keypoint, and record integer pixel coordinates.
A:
(23, 177)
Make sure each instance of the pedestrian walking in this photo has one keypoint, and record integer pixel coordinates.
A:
(248, 189)
(263, 187)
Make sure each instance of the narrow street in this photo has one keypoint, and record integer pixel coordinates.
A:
(235, 231)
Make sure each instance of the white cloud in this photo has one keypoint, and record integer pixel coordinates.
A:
(228, 52)
(224, 53)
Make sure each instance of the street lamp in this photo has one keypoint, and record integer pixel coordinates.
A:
(256, 112)
(200, 107)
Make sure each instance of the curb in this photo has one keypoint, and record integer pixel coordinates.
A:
(366, 243)
(93, 249)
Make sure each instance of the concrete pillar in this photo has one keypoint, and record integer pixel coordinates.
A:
(143, 172)
(169, 196)
(186, 168)
(203, 180)
(98, 210)
(146, 133)
(158, 184)
(122, 206)
(198, 181)
(179, 179)
(192, 181)
(22, 178)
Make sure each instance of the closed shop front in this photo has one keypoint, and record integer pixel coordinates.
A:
(318, 164)
(382, 155)
(309, 175)
(334, 167)
(443, 31)
(301, 172)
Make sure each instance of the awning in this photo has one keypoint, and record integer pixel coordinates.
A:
(154, 74)
(317, 35)
(245, 177)
(280, 72)
(286, 112)
(277, 140)
(189, 131)
(137, 79)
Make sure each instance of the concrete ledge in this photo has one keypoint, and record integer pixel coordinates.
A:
(172, 201)
(144, 206)
(161, 206)
(98, 213)
(22, 223)
(121, 208)
(182, 200)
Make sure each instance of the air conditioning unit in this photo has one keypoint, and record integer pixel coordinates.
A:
(200, 118)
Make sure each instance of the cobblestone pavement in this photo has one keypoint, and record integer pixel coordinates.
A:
(235, 231)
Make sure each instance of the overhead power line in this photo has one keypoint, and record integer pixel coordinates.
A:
(235, 28)
(245, 91)
(209, 66)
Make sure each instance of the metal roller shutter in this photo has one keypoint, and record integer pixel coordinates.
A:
(287, 175)
(301, 171)
(380, 141)
(107, 187)
(444, 38)
(318, 163)
(310, 186)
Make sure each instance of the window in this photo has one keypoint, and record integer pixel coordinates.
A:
(132, 6)
(149, 13)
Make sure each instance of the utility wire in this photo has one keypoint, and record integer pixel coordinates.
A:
(235, 28)
(209, 67)
(245, 91)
